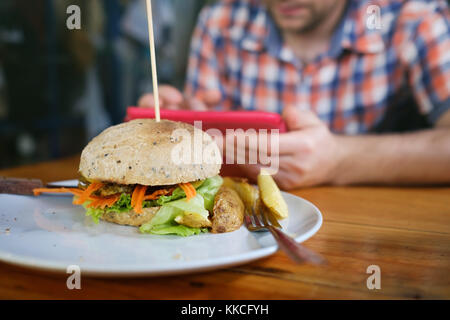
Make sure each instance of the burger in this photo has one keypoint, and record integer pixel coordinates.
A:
(159, 176)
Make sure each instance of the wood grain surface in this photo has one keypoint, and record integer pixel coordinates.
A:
(405, 231)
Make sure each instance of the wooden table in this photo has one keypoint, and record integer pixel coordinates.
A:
(405, 231)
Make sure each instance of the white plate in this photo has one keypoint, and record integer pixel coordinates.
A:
(49, 233)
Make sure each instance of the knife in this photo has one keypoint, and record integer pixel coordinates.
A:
(23, 186)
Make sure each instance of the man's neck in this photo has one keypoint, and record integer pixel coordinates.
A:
(309, 44)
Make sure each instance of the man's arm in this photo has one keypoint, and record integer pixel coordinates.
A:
(444, 120)
(417, 157)
(309, 154)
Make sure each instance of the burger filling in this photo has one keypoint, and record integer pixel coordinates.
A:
(184, 209)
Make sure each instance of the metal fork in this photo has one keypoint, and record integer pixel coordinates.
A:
(264, 221)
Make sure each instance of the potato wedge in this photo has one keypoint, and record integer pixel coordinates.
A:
(228, 212)
(271, 196)
(192, 219)
(248, 193)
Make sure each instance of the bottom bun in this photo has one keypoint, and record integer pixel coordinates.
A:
(131, 218)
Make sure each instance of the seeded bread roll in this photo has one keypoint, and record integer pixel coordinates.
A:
(147, 152)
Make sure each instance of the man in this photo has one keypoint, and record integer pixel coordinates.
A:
(341, 73)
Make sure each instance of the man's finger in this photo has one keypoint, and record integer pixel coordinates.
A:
(296, 119)
(294, 141)
(211, 98)
(250, 171)
(147, 101)
(170, 95)
(172, 106)
(269, 144)
(284, 179)
(195, 104)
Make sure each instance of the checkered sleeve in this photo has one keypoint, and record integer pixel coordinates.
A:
(429, 63)
(204, 66)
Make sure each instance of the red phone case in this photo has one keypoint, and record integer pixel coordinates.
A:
(215, 119)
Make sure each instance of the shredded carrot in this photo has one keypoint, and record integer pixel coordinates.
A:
(138, 197)
(188, 189)
(87, 192)
(76, 191)
(134, 196)
(98, 202)
(113, 200)
(139, 204)
(185, 189)
(95, 203)
(38, 191)
(158, 193)
(194, 192)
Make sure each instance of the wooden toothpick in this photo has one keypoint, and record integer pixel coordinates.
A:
(153, 59)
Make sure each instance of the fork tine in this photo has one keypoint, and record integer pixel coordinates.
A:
(256, 220)
(268, 217)
(251, 221)
(248, 221)
(272, 219)
(263, 214)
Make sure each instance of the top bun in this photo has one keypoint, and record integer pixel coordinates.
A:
(150, 153)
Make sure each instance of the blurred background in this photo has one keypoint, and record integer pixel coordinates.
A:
(61, 87)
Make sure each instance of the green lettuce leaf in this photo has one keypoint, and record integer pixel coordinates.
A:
(95, 214)
(208, 190)
(178, 193)
(164, 220)
(171, 210)
(121, 205)
(176, 229)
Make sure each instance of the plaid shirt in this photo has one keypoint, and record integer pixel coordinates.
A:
(392, 78)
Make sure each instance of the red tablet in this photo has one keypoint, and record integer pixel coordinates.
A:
(221, 120)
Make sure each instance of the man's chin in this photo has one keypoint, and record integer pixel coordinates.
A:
(294, 26)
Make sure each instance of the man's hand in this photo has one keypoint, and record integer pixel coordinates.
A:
(308, 153)
(171, 98)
